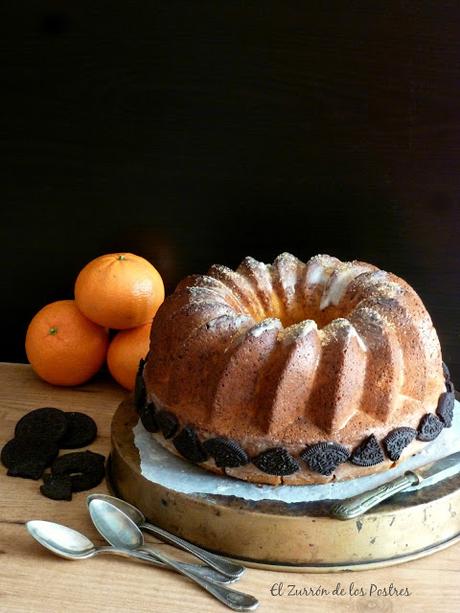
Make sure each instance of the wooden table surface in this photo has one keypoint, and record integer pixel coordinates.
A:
(33, 579)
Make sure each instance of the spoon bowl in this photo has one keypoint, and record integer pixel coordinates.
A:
(61, 540)
(115, 526)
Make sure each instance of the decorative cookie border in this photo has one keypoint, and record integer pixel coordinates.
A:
(322, 457)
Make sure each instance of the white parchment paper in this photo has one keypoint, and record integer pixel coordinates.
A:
(162, 467)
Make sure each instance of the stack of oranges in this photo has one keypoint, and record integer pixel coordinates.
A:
(67, 341)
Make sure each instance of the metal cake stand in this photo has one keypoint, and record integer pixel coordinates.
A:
(297, 537)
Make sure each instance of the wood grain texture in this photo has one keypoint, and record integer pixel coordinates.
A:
(34, 580)
(201, 132)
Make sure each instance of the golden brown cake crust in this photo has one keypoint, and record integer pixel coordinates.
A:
(293, 354)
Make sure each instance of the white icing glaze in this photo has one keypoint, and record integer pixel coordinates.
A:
(287, 266)
(380, 275)
(289, 282)
(267, 324)
(338, 283)
(320, 268)
(340, 323)
(317, 274)
(238, 320)
(361, 342)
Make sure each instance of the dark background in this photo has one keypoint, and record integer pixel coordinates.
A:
(201, 132)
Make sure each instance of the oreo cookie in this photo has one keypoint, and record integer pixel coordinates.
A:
(140, 394)
(27, 457)
(148, 419)
(46, 422)
(368, 453)
(276, 461)
(324, 457)
(81, 431)
(445, 409)
(397, 440)
(226, 452)
(85, 469)
(189, 446)
(57, 488)
(27, 468)
(168, 423)
(450, 387)
(429, 427)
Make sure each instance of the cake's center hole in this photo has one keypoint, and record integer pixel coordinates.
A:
(298, 313)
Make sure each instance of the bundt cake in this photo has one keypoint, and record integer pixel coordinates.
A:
(294, 373)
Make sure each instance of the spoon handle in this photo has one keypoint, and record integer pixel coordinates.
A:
(238, 601)
(219, 563)
(206, 573)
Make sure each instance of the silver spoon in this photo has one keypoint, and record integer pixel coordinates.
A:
(119, 530)
(219, 563)
(73, 545)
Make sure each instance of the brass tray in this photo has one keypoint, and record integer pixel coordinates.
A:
(290, 537)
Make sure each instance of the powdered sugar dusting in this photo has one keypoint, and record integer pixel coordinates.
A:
(299, 330)
(390, 290)
(240, 286)
(227, 321)
(198, 293)
(258, 274)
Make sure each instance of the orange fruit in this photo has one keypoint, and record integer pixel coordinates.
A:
(125, 351)
(63, 346)
(119, 290)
